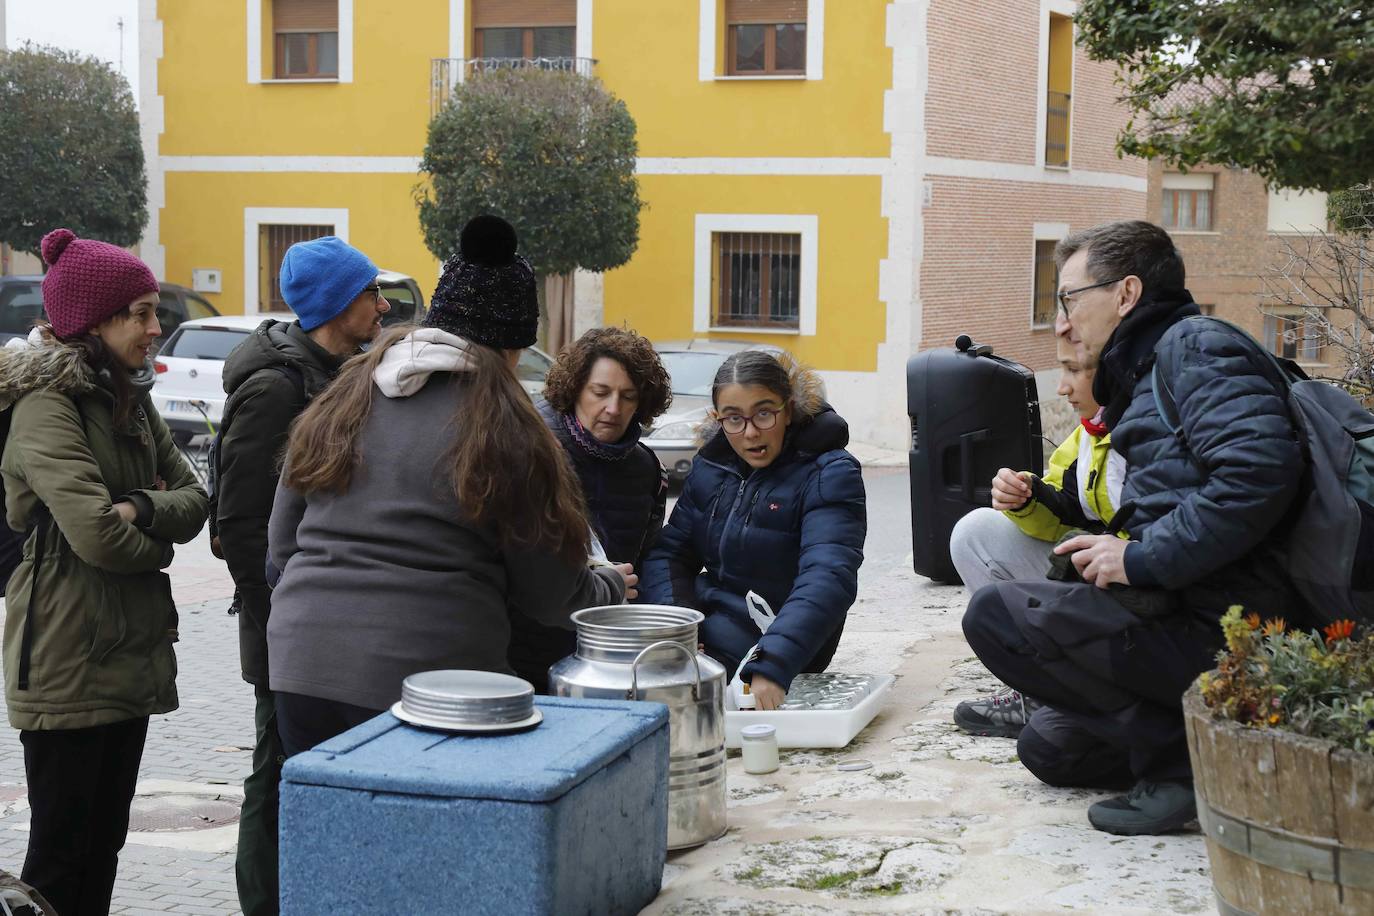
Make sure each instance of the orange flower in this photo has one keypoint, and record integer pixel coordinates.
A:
(1339, 630)
(1274, 719)
(1253, 620)
(1275, 626)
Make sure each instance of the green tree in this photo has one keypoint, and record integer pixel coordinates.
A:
(70, 153)
(1284, 87)
(551, 152)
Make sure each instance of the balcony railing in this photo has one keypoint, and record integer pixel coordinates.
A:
(446, 73)
(1057, 129)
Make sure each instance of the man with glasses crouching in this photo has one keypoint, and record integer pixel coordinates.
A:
(1110, 649)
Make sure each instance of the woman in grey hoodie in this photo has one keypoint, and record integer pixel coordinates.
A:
(422, 501)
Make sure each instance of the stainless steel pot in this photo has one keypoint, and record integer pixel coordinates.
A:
(649, 652)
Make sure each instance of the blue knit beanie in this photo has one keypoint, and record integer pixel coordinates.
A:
(319, 278)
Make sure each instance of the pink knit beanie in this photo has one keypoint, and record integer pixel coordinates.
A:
(88, 281)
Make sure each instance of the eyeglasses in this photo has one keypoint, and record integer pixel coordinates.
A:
(763, 419)
(376, 290)
(1066, 296)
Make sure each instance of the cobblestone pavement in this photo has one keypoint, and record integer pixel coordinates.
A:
(941, 823)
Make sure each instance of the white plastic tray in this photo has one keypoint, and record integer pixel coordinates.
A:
(811, 727)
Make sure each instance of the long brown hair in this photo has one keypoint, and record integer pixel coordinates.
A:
(508, 472)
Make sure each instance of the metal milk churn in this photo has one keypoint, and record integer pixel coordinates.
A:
(649, 652)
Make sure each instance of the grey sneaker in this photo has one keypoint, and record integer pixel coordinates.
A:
(1001, 715)
(1151, 808)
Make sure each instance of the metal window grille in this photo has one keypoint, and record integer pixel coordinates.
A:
(1046, 284)
(758, 280)
(273, 240)
(1057, 128)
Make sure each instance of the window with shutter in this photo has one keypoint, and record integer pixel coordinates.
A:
(305, 39)
(765, 37)
(524, 29)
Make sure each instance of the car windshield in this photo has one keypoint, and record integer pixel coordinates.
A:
(692, 373)
(532, 367)
(203, 343)
(21, 304)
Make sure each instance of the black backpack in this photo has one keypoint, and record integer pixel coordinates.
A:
(1328, 545)
(289, 370)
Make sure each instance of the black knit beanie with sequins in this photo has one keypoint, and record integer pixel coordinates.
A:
(487, 293)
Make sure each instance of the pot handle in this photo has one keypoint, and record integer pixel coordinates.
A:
(633, 692)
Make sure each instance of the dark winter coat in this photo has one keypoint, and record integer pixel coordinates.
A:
(103, 619)
(625, 503)
(269, 378)
(792, 532)
(625, 498)
(391, 577)
(1203, 522)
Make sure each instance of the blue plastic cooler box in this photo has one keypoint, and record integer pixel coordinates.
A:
(568, 817)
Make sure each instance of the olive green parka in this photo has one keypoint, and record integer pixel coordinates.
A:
(102, 614)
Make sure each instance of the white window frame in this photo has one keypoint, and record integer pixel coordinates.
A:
(1289, 228)
(711, 68)
(255, 36)
(1043, 232)
(459, 33)
(1190, 181)
(707, 224)
(256, 217)
(1063, 8)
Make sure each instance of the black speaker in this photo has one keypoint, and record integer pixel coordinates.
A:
(971, 413)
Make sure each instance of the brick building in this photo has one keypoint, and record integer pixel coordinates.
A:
(1020, 131)
(1233, 230)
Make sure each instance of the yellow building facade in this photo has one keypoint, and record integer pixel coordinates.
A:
(261, 127)
(804, 163)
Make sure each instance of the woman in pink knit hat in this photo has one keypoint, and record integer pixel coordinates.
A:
(93, 479)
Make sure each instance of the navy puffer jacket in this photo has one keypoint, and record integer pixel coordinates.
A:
(793, 532)
(1203, 520)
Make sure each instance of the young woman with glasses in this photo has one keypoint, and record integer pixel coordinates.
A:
(773, 505)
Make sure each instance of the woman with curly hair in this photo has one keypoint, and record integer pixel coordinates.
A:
(600, 394)
(773, 505)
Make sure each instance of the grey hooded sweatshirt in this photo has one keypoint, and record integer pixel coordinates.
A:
(390, 577)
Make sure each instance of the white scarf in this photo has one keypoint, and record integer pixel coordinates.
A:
(408, 364)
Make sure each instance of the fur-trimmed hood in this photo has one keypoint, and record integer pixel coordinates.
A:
(41, 363)
(808, 401)
(815, 428)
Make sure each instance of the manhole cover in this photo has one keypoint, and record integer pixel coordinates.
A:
(174, 813)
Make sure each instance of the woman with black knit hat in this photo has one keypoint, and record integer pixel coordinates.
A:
(423, 501)
(92, 476)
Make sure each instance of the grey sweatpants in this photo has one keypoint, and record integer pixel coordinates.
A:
(987, 547)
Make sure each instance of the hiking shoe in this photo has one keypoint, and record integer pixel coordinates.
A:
(1150, 808)
(1001, 715)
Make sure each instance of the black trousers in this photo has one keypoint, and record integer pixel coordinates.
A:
(305, 721)
(255, 864)
(1115, 680)
(80, 782)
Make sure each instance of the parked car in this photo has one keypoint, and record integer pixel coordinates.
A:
(21, 304)
(403, 294)
(189, 390)
(692, 366)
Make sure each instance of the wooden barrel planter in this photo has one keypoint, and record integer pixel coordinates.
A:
(1289, 820)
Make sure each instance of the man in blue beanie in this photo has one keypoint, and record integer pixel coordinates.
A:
(270, 378)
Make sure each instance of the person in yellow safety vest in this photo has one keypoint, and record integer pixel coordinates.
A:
(1013, 539)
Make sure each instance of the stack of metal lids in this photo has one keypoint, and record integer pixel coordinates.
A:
(467, 701)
